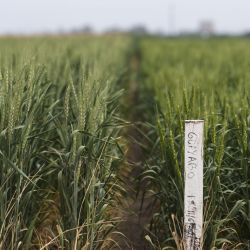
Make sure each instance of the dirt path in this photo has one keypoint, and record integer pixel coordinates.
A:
(136, 205)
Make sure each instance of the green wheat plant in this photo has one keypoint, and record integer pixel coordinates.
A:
(58, 140)
(196, 79)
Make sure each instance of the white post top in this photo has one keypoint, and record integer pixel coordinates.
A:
(193, 121)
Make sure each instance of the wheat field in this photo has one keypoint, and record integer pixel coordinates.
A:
(65, 102)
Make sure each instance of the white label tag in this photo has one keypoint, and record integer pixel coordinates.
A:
(193, 194)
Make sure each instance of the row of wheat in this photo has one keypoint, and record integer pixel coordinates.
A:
(201, 79)
(58, 140)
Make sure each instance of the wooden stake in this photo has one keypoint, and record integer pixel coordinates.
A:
(193, 194)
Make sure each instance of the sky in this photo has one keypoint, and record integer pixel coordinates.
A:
(168, 16)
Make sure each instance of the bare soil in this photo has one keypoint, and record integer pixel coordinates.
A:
(136, 206)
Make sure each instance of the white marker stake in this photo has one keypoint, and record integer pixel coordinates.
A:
(193, 195)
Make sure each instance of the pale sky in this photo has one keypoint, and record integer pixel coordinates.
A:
(28, 16)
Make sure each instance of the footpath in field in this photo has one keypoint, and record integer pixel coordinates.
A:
(135, 208)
